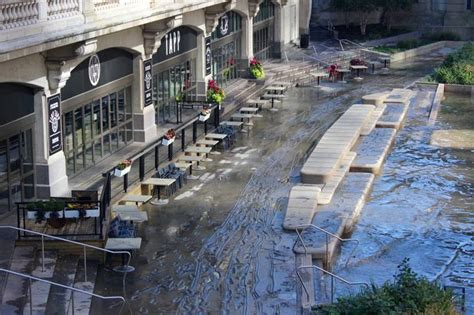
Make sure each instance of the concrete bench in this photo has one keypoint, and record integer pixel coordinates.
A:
(399, 96)
(376, 99)
(372, 122)
(393, 116)
(372, 150)
(335, 144)
(301, 206)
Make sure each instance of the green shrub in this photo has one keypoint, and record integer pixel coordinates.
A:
(458, 68)
(407, 294)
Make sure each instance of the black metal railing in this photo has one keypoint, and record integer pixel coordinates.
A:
(149, 158)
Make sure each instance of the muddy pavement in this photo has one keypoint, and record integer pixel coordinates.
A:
(218, 245)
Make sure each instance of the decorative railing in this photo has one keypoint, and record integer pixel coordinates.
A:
(15, 14)
(58, 9)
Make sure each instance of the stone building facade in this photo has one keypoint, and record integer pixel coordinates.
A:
(82, 79)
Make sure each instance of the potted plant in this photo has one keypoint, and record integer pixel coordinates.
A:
(123, 168)
(169, 137)
(204, 114)
(332, 70)
(357, 62)
(214, 93)
(81, 210)
(256, 69)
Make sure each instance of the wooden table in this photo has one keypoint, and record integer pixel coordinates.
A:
(358, 68)
(191, 159)
(282, 83)
(218, 136)
(158, 183)
(385, 60)
(252, 110)
(198, 150)
(232, 123)
(123, 244)
(185, 166)
(318, 76)
(209, 143)
(125, 208)
(273, 97)
(132, 216)
(136, 198)
(276, 89)
(257, 103)
(342, 72)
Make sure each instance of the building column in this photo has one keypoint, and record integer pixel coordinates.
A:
(51, 176)
(278, 36)
(200, 75)
(144, 126)
(246, 46)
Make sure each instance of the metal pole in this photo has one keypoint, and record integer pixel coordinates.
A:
(72, 302)
(327, 250)
(31, 297)
(42, 253)
(85, 264)
(332, 289)
(157, 159)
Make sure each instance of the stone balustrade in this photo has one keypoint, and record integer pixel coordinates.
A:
(58, 9)
(14, 14)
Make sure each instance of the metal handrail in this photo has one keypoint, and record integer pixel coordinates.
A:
(85, 246)
(328, 234)
(73, 289)
(311, 57)
(332, 280)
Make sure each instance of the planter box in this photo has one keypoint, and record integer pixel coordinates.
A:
(120, 173)
(204, 117)
(167, 142)
(68, 214)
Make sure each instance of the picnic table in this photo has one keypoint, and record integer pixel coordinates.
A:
(132, 216)
(206, 142)
(385, 60)
(275, 89)
(318, 75)
(157, 183)
(192, 159)
(252, 110)
(218, 136)
(123, 244)
(257, 103)
(232, 123)
(342, 72)
(372, 64)
(358, 68)
(136, 198)
(283, 83)
(198, 150)
(273, 97)
(185, 166)
(125, 208)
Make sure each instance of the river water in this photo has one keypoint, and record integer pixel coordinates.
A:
(421, 207)
(217, 247)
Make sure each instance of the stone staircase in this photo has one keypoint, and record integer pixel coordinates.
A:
(60, 268)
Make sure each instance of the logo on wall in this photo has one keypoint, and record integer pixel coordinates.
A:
(54, 122)
(147, 82)
(208, 56)
(94, 70)
(173, 42)
(224, 25)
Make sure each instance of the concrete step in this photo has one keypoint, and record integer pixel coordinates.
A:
(372, 150)
(15, 294)
(372, 122)
(326, 194)
(64, 273)
(82, 302)
(305, 298)
(302, 204)
(393, 116)
(40, 289)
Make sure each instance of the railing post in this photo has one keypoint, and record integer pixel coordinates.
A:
(183, 139)
(125, 182)
(332, 290)
(31, 296)
(72, 303)
(170, 152)
(157, 157)
(85, 264)
(216, 116)
(141, 166)
(205, 127)
(194, 131)
(327, 250)
(42, 253)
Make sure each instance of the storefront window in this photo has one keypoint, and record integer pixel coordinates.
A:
(97, 130)
(16, 170)
(226, 48)
(263, 34)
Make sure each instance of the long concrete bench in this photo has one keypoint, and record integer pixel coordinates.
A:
(393, 116)
(302, 205)
(338, 217)
(335, 144)
(376, 99)
(372, 122)
(372, 150)
(328, 190)
(399, 96)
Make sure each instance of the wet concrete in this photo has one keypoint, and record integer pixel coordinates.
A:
(218, 246)
(421, 206)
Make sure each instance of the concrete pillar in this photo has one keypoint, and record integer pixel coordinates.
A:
(278, 36)
(143, 117)
(246, 46)
(51, 177)
(200, 75)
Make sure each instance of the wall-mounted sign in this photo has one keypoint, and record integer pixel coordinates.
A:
(208, 56)
(94, 70)
(224, 25)
(54, 123)
(147, 82)
(176, 42)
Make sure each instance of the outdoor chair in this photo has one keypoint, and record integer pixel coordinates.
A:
(121, 229)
